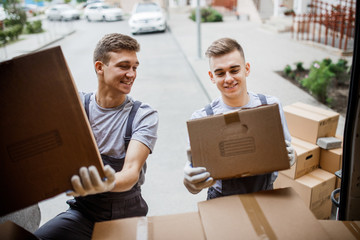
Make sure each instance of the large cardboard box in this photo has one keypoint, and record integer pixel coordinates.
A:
(276, 214)
(310, 123)
(307, 158)
(45, 136)
(240, 143)
(344, 230)
(12, 231)
(314, 188)
(179, 226)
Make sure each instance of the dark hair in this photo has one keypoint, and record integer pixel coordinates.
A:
(114, 42)
(223, 46)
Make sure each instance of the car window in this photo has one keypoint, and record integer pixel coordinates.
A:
(147, 8)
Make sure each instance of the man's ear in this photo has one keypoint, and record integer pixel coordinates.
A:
(99, 67)
(211, 76)
(247, 69)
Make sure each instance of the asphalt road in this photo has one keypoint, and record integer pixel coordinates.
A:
(165, 81)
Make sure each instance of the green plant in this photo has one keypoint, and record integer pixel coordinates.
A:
(34, 27)
(341, 70)
(319, 79)
(207, 15)
(287, 70)
(299, 66)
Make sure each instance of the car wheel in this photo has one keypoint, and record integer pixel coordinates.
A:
(104, 18)
(88, 19)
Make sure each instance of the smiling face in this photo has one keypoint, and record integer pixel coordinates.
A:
(228, 72)
(118, 75)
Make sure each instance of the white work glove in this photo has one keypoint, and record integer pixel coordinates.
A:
(291, 153)
(196, 178)
(90, 182)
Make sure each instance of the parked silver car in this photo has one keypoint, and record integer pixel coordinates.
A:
(63, 12)
(147, 17)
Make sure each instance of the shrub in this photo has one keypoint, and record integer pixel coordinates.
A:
(207, 15)
(319, 79)
(299, 66)
(34, 27)
(287, 70)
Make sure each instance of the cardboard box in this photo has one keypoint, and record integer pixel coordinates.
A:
(307, 158)
(331, 160)
(276, 214)
(345, 230)
(45, 136)
(310, 123)
(314, 188)
(240, 143)
(179, 226)
(12, 231)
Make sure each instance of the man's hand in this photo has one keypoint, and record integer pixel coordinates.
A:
(196, 179)
(291, 153)
(90, 182)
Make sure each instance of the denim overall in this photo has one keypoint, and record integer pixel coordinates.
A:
(113, 205)
(245, 184)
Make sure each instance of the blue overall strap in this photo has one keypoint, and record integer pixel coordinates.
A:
(132, 114)
(209, 110)
(262, 99)
(87, 101)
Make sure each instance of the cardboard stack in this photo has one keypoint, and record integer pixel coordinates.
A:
(313, 175)
(276, 214)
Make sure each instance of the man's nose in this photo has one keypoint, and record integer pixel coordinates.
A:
(228, 77)
(130, 73)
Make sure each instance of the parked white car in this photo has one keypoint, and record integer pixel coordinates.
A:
(147, 17)
(2, 14)
(103, 12)
(63, 12)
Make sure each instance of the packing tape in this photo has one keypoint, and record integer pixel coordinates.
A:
(353, 228)
(257, 217)
(231, 117)
(144, 229)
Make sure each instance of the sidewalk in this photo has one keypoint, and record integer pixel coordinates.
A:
(27, 43)
(266, 51)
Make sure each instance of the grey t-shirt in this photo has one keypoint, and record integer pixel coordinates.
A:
(109, 126)
(218, 106)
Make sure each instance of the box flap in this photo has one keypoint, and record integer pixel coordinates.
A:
(349, 230)
(241, 143)
(277, 214)
(45, 136)
(316, 177)
(177, 226)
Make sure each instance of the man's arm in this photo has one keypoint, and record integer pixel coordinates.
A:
(136, 156)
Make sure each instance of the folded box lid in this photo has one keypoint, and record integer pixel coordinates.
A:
(177, 226)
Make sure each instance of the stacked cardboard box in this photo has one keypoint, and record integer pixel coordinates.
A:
(277, 214)
(312, 176)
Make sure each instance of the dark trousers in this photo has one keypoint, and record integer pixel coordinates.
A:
(78, 221)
